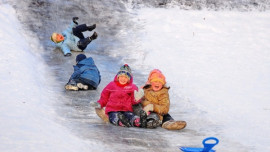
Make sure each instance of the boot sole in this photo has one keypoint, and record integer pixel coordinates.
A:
(72, 88)
(82, 86)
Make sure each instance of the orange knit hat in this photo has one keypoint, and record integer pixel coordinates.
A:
(156, 75)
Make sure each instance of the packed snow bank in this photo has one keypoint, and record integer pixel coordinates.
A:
(216, 62)
(28, 120)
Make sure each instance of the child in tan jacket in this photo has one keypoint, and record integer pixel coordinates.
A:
(156, 103)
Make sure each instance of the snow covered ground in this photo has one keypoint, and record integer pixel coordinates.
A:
(217, 64)
(27, 113)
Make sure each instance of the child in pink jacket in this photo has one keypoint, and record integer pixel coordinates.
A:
(118, 97)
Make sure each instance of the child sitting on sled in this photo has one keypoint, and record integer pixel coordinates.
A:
(86, 75)
(156, 103)
(72, 38)
(118, 98)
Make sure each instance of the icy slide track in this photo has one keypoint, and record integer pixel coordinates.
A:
(42, 17)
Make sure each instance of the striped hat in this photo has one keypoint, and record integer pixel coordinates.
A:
(125, 70)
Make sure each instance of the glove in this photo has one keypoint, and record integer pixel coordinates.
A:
(74, 19)
(95, 105)
(138, 94)
(148, 108)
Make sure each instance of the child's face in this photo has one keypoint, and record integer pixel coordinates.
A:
(123, 79)
(156, 85)
(59, 38)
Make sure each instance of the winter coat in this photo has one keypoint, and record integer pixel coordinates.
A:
(70, 41)
(160, 100)
(117, 98)
(88, 71)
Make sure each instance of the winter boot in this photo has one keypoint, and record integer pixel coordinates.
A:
(90, 28)
(123, 120)
(153, 120)
(82, 86)
(71, 85)
(143, 120)
(136, 122)
(152, 123)
(94, 36)
(174, 125)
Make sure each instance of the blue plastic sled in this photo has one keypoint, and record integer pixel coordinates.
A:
(207, 146)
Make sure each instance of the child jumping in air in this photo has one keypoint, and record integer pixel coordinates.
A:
(72, 38)
(156, 103)
(118, 97)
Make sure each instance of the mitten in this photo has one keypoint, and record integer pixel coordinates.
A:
(138, 94)
(149, 107)
(74, 19)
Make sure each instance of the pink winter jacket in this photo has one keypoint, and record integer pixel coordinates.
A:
(117, 98)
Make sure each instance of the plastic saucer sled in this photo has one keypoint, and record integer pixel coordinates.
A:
(207, 146)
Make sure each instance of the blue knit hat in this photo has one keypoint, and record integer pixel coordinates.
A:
(80, 57)
(125, 69)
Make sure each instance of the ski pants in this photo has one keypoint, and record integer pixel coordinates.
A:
(77, 31)
(113, 117)
(137, 108)
(167, 117)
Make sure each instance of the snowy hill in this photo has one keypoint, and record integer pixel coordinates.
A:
(216, 63)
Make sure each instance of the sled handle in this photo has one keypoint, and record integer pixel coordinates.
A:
(209, 146)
